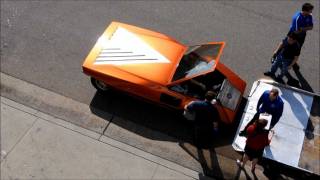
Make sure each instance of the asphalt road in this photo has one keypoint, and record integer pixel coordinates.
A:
(46, 42)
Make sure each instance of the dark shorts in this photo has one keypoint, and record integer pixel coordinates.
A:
(253, 153)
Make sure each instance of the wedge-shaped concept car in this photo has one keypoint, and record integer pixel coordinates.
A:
(157, 68)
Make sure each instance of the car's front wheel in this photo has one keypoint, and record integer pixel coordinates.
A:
(99, 85)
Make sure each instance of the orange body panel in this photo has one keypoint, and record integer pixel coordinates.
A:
(151, 81)
(157, 72)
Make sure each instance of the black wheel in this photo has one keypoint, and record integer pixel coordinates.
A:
(99, 85)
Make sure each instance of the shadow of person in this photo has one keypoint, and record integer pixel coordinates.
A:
(255, 176)
(292, 81)
(209, 163)
(309, 132)
(207, 158)
(238, 174)
(297, 107)
(275, 170)
(304, 83)
(270, 169)
(306, 86)
(314, 113)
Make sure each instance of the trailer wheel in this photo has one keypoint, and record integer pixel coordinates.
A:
(99, 85)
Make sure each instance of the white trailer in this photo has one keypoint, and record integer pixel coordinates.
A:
(296, 142)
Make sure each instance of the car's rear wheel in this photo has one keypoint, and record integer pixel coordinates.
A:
(99, 85)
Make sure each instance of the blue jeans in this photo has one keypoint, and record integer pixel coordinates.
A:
(281, 63)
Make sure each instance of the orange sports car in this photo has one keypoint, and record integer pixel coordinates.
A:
(156, 67)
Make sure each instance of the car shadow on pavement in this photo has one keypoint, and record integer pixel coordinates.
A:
(150, 121)
(135, 115)
(145, 114)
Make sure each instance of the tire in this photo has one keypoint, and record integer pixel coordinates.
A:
(100, 85)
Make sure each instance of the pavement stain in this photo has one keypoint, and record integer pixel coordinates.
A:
(38, 130)
(6, 89)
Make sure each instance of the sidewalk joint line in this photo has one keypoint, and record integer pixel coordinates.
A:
(21, 109)
(149, 159)
(20, 139)
(69, 128)
(94, 131)
(154, 172)
(99, 139)
(105, 129)
(52, 122)
(35, 115)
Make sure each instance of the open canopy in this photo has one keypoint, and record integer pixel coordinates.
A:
(198, 60)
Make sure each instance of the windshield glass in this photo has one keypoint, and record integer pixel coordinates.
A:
(193, 62)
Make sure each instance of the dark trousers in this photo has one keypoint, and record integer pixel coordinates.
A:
(203, 135)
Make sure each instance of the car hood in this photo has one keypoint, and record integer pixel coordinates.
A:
(124, 48)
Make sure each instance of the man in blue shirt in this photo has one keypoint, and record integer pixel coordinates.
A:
(270, 103)
(206, 118)
(301, 23)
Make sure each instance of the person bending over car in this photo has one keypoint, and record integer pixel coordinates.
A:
(206, 119)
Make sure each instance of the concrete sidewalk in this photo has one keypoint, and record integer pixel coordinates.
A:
(87, 123)
(56, 137)
(35, 145)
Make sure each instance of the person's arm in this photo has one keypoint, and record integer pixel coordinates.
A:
(276, 117)
(189, 106)
(260, 100)
(270, 136)
(277, 50)
(274, 120)
(280, 111)
(305, 28)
